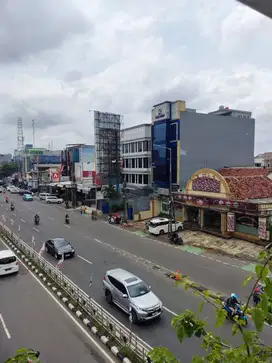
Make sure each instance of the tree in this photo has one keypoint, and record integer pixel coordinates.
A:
(8, 169)
(109, 192)
(252, 350)
(23, 355)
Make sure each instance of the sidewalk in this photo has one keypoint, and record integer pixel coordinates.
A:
(229, 247)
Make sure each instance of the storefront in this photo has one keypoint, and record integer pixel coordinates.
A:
(208, 204)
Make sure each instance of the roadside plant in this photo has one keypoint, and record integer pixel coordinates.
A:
(23, 355)
(216, 350)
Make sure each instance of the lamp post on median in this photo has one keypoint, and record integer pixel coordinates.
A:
(170, 185)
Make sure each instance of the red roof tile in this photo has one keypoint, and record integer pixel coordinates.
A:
(248, 183)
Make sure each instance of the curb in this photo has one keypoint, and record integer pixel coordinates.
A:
(107, 341)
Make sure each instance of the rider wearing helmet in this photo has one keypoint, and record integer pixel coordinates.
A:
(232, 302)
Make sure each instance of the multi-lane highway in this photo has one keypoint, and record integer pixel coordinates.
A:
(31, 318)
(98, 247)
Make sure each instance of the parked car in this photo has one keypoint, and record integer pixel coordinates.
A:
(58, 247)
(158, 226)
(8, 262)
(52, 199)
(14, 190)
(43, 196)
(28, 197)
(132, 295)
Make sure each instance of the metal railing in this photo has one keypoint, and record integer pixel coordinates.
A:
(123, 335)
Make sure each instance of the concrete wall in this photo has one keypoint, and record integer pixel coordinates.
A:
(135, 133)
(210, 141)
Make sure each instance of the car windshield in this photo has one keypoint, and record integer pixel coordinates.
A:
(138, 289)
(61, 243)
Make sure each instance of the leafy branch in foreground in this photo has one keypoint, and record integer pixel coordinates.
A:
(216, 350)
(23, 355)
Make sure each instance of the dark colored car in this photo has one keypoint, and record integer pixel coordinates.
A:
(58, 247)
(25, 191)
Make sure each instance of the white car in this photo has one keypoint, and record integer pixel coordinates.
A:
(43, 196)
(8, 263)
(51, 199)
(160, 226)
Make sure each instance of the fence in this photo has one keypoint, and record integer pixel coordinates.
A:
(124, 336)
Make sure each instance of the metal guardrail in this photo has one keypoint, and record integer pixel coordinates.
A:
(120, 332)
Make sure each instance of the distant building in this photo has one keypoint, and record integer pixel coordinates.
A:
(5, 158)
(224, 137)
(136, 155)
(263, 160)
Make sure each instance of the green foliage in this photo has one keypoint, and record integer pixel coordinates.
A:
(251, 349)
(109, 192)
(21, 356)
(8, 169)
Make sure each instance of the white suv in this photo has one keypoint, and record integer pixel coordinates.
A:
(51, 199)
(8, 262)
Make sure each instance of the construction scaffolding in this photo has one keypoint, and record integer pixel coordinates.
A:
(107, 130)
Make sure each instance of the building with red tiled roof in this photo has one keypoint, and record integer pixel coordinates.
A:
(231, 202)
(248, 183)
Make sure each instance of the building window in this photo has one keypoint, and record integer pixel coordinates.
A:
(145, 145)
(140, 146)
(133, 163)
(164, 207)
(146, 164)
(133, 178)
(132, 149)
(140, 179)
(140, 163)
(145, 178)
(126, 149)
(159, 133)
(129, 163)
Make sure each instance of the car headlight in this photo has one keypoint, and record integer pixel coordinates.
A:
(73, 250)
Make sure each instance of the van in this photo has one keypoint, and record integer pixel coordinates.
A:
(8, 263)
(160, 226)
(43, 196)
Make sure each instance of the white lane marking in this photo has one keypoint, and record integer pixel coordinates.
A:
(67, 226)
(23, 220)
(51, 218)
(170, 311)
(84, 259)
(97, 240)
(94, 342)
(36, 229)
(5, 326)
(14, 214)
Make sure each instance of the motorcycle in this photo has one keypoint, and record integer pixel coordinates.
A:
(115, 220)
(67, 219)
(175, 239)
(238, 312)
(67, 205)
(36, 220)
(12, 207)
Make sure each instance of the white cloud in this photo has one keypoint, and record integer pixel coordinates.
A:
(124, 57)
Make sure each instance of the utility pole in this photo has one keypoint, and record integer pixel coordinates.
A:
(74, 186)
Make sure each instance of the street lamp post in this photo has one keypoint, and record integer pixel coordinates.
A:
(170, 185)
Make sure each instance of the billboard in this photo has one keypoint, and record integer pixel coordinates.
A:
(49, 159)
(87, 161)
(161, 112)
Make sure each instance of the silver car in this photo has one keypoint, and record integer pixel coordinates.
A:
(132, 295)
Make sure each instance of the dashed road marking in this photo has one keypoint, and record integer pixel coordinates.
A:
(13, 214)
(36, 229)
(84, 259)
(51, 218)
(65, 225)
(23, 220)
(5, 326)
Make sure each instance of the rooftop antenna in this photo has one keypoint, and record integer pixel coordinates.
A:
(20, 134)
(34, 132)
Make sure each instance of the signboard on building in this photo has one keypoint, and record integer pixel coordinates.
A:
(161, 112)
(87, 161)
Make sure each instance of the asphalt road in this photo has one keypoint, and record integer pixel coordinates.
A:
(95, 256)
(30, 318)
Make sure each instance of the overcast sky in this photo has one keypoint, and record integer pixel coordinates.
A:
(59, 59)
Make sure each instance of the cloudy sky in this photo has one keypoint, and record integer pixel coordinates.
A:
(60, 59)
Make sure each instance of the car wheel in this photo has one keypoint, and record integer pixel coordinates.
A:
(161, 232)
(108, 297)
(59, 202)
(133, 317)
(56, 256)
(179, 229)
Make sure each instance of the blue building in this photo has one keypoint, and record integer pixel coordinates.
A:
(222, 138)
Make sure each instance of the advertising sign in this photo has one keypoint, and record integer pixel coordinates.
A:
(161, 112)
(87, 161)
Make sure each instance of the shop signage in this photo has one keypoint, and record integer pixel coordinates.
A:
(161, 112)
(202, 201)
(55, 176)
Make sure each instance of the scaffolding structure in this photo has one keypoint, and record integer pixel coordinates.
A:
(107, 130)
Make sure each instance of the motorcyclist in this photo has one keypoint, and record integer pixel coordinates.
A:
(232, 303)
(258, 291)
(36, 219)
(67, 219)
(12, 206)
(6, 199)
